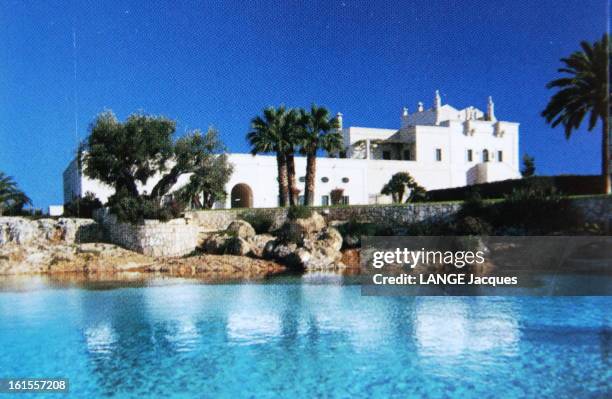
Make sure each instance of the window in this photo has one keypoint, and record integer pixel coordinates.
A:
(325, 200)
(325, 179)
(345, 180)
(386, 154)
(438, 154)
(407, 155)
(500, 156)
(302, 179)
(301, 200)
(485, 155)
(345, 200)
(470, 156)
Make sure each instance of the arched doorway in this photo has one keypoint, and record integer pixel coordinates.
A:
(242, 196)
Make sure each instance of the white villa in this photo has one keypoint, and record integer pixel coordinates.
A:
(440, 147)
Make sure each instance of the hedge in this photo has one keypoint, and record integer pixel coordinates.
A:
(564, 184)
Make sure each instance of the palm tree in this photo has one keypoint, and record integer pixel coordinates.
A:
(320, 132)
(11, 197)
(265, 137)
(584, 90)
(291, 132)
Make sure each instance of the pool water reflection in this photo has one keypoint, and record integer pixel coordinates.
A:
(308, 339)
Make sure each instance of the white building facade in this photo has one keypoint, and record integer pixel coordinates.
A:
(440, 147)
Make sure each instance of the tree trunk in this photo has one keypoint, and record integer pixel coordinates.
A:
(293, 190)
(126, 182)
(164, 185)
(311, 171)
(283, 191)
(605, 155)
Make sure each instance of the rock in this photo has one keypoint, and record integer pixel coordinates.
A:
(351, 258)
(299, 229)
(241, 229)
(307, 244)
(61, 258)
(224, 266)
(279, 250)
(237, 246)
(259, 242)
(215, 244)
(22, 231)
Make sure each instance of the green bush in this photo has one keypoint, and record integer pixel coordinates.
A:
(536, 208)
(82, 207)
(471, 225)
(138, 209)
(261, 221)
(299, 212)
(566, 184)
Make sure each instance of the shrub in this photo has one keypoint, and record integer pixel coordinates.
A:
(299, 212)
(566, 184)
(137, 209)
(336, 196)
(535, 208)
(262, 222)
(82, 207)
(471, 225)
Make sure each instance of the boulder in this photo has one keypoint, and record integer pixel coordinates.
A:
(259, 242)
(215, 244)
(279, 250)
(237, 246)
(241, 229)
(299, 229)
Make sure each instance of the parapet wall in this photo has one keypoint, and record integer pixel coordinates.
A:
(175, 237)
(179, 237)
(214, 220)
(594, 210)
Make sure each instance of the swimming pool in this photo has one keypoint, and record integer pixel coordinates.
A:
(291, 338)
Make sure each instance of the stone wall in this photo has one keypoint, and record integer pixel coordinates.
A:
(594, 209)
(215, 220)
(176, 237)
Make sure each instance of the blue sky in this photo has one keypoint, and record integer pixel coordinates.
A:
(219, 63)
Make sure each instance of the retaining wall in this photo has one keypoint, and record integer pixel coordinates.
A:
(175, 237)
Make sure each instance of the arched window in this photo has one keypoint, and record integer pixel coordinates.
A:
(485, 155)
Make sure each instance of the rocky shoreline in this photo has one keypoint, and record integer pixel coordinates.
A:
(68, 245)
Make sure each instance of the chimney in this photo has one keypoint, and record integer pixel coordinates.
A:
(405, 117)
(420, 106)
(437, 100)
(490, 109)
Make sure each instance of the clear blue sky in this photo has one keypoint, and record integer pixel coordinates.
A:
(219, 63)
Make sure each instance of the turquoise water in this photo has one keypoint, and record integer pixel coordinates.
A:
(182, 339)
